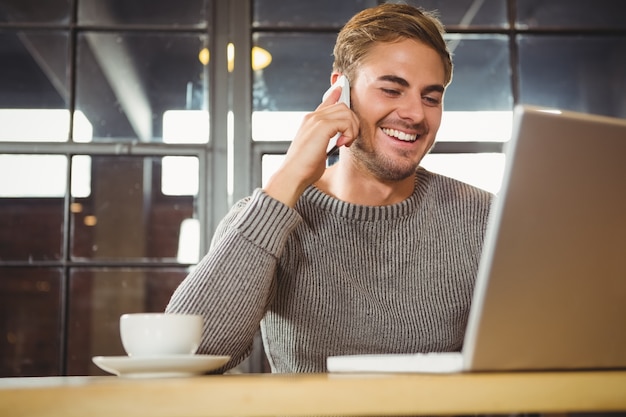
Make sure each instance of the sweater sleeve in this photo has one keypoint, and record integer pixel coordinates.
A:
(232, 285)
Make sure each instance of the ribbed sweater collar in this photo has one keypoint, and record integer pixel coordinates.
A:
(320, 200)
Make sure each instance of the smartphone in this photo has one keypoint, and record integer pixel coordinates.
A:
(342, 82)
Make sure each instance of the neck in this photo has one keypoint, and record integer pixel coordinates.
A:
(348, 183)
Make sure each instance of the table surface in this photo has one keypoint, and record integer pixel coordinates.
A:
(316, 394)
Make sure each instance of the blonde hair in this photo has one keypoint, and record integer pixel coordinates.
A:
(388, 22)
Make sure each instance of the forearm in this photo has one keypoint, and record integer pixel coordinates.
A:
(232, 285)
(230, 288)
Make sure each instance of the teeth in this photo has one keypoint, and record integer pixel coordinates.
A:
(400, 135)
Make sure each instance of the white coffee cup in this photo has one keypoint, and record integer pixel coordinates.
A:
(156, 334)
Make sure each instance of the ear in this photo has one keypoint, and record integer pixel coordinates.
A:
(334, 76)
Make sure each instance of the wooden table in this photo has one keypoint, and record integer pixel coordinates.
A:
(315, 394)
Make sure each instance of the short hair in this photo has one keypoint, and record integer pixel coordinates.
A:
(388, 22)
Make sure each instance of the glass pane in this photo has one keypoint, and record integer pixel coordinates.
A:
(145, 12)
(42, 125)
(119, 210)
(33, 176)
(467, 13)
(179, 175)
(269, 164)
(31, 206)
(478, 102)
(475, 126)
(30, 321)
(97, 299)
(301, 65)
(483, 170)
(305, 13)
(286, 89)
(35, 11)
(577, 73)
(481, 73)
(127, 82)
(581, 14)
(33, 86)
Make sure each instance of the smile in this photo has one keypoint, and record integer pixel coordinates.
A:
(406, 137)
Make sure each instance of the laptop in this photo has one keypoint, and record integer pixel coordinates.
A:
(550, 292)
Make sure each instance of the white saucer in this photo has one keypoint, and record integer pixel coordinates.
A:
(159, 366)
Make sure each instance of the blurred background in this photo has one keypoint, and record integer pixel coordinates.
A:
(129, 127)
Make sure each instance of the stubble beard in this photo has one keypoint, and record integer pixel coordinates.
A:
(380, 165)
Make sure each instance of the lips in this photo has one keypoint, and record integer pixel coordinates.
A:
(400, 135)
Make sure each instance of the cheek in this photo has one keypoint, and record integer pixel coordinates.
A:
(434, 120)
(368, 122)
(369, 111)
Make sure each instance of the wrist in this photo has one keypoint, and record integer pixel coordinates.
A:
(285, 188)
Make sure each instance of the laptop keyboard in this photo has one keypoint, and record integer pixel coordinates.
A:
(434, 362)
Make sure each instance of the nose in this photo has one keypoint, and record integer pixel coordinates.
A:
(411, 108)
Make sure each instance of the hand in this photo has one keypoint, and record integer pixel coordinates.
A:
(305, 160)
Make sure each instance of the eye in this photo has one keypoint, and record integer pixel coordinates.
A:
(390, 92)
(431, 101)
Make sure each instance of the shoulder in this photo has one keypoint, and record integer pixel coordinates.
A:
(257, 215)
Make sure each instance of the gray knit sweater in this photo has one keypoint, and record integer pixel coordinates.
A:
(332, 278)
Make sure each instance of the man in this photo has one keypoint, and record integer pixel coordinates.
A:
(371, 255)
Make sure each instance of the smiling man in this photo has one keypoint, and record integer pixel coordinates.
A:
(371, 255)
(398, 101)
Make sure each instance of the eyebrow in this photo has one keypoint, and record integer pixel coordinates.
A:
(404, 83)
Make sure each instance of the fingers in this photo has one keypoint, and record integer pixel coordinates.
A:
(326, 122)
(331, 98)
(332, 101)
(305, 161)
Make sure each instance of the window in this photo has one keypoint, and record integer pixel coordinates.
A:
(104, 148)
(130, 127)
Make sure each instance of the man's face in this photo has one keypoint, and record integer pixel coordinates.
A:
(397, 94)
